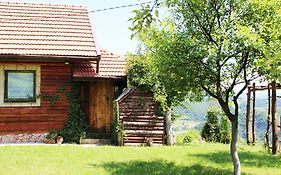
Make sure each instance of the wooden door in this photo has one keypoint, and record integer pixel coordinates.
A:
(101, 106)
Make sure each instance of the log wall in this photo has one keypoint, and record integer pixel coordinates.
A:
(40, 118)
(141, 119)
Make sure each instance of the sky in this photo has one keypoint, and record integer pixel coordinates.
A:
(110, 27)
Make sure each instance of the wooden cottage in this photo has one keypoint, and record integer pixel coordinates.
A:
(42, 48)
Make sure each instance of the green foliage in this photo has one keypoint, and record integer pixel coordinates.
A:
(141, 75)
(143, 17)
(225, 134)
(216, 128)
(179, 138)
(211, 129)
(190, 136)
(52, 98)
(51, 135)
(148, 71)
(209, 46)
(175, 116)
(267, 27)
(76, 122)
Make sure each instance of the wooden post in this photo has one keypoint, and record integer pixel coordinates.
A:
(248, 115)
(268, 117)
(274, 120)
(254, 115)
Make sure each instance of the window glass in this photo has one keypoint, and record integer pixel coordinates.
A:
(20, 86)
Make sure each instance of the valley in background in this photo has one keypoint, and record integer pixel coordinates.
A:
(193, 115)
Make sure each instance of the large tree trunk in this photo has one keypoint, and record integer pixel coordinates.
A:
(233, 146)
(168, 128)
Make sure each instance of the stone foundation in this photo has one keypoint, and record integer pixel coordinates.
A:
(23, 138)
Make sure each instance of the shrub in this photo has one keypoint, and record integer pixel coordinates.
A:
(215, 131)
(191, 136)
(225, 130)
(211, 129)
(179, 138)
(51, 135)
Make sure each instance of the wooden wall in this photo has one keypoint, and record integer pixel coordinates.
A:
(101, 105)
(45, 116)
(141, 118)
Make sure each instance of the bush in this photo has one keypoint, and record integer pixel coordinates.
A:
(211, 129)
(215, 131)
(225, 130)
(191, 136)
(179, 138)
(51, 135)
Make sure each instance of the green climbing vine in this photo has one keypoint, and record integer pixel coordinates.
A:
(52, 98)
(76, 123)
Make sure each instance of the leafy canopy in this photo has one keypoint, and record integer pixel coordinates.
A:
(267, 26)
(204, 47)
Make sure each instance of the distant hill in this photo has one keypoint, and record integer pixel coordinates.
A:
(193, 115)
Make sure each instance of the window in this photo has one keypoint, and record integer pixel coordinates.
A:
(20, 86)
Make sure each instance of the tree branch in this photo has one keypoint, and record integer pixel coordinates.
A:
(218, 76)
(209, 92)
(216, 8)
(243, 67)
(203, 29)
(156, 4)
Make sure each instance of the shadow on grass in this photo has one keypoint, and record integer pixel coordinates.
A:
(157, 168)
(246, 158)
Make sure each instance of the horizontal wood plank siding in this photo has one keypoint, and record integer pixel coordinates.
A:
(141, 119)
(46, 116)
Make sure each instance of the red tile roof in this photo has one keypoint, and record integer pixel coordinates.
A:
(110, 66)
(44, 29)
(83, 70)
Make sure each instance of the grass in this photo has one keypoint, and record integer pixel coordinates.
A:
(192, 159)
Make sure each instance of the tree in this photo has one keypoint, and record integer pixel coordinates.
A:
(211, 129)
(207, 47)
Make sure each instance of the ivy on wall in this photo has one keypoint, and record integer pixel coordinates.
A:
(76, 123)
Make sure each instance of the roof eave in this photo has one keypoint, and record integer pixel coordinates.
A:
(16, 57)
(98, 78)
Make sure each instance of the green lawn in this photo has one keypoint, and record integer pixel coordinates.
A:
(191, 159)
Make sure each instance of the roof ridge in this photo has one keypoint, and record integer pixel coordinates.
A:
(109, 53)
(42, 4)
